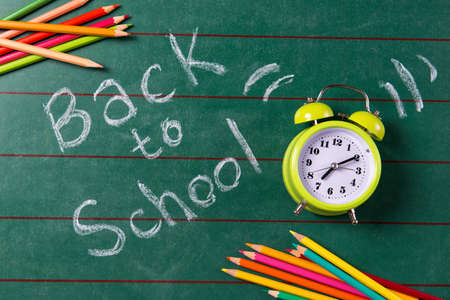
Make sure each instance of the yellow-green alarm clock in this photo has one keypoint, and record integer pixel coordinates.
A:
(333, 166)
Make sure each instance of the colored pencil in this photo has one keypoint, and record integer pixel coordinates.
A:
(309, 284)
(402, 289)
(402, 295)
(341, 274)
(299, 262)
(64, 57)
(284, 296)
(302, 272)
(352, 271)
(273, 284)
(68, 29)
(48, 16)
(75, 44)
(60, 39)
(84, 18)
(25, 10)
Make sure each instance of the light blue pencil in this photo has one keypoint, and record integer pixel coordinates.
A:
(338, 272)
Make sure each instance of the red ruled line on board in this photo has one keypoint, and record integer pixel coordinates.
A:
(225, 97)
(298, 37)
(438, 162)
(163, 281)
(227, 220)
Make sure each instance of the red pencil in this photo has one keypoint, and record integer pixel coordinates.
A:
(84, 18)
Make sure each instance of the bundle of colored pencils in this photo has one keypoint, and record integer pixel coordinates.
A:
(313, 272)
(20, 53)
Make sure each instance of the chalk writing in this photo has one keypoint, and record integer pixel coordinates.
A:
(409, 82)
(152, 98)
(394, 94)
(122, 97)
(433, 70)
(189, 62)
(223, 187)
(71, 112)
(91, 229)
(166, 125)
(192, 190)
(244, 145)
(276, 84)
(260, 73)
(141, 146)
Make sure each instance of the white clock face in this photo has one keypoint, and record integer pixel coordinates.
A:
(336, 165)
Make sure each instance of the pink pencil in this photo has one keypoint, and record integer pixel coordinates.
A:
(60, 39)
(301, 272)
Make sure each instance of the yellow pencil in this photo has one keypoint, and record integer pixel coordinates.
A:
(64, 57)
(299, 262)
(273, 284)
(344, 266)
(68, 29)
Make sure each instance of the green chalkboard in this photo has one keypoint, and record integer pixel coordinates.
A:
(404, 230)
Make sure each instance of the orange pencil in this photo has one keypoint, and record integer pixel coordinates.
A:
(53, 14)
(57, 28)
(309, 284)
(299, 262)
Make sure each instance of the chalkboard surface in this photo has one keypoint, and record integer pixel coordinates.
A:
(404, 230)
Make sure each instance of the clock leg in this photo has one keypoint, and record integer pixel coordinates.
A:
(300, 207)
(352, 216)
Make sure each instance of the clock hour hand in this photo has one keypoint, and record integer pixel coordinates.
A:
(327, 173)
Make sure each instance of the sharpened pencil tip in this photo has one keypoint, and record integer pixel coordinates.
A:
(119, 33)
(93, 64)
(241, 252)
(249, 244)
(223, 269)
(116, 5)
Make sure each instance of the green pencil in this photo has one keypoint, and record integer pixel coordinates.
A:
(284, 296)
(66, 47)
(27, 9)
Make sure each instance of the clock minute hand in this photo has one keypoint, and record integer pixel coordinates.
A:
(354, 157)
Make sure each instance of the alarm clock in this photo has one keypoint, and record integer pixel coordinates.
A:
(333, 166)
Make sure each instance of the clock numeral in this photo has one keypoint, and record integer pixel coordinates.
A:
(342, 190)
(358, 170)
(330, 191)
(310, 175)
(348, 147)
(337, 142)
(357, 157)
(308, 162)
(318, 185)
(324, 144)
(315, 151)
(353, 182)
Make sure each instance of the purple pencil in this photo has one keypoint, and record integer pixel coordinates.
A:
(60, 39)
